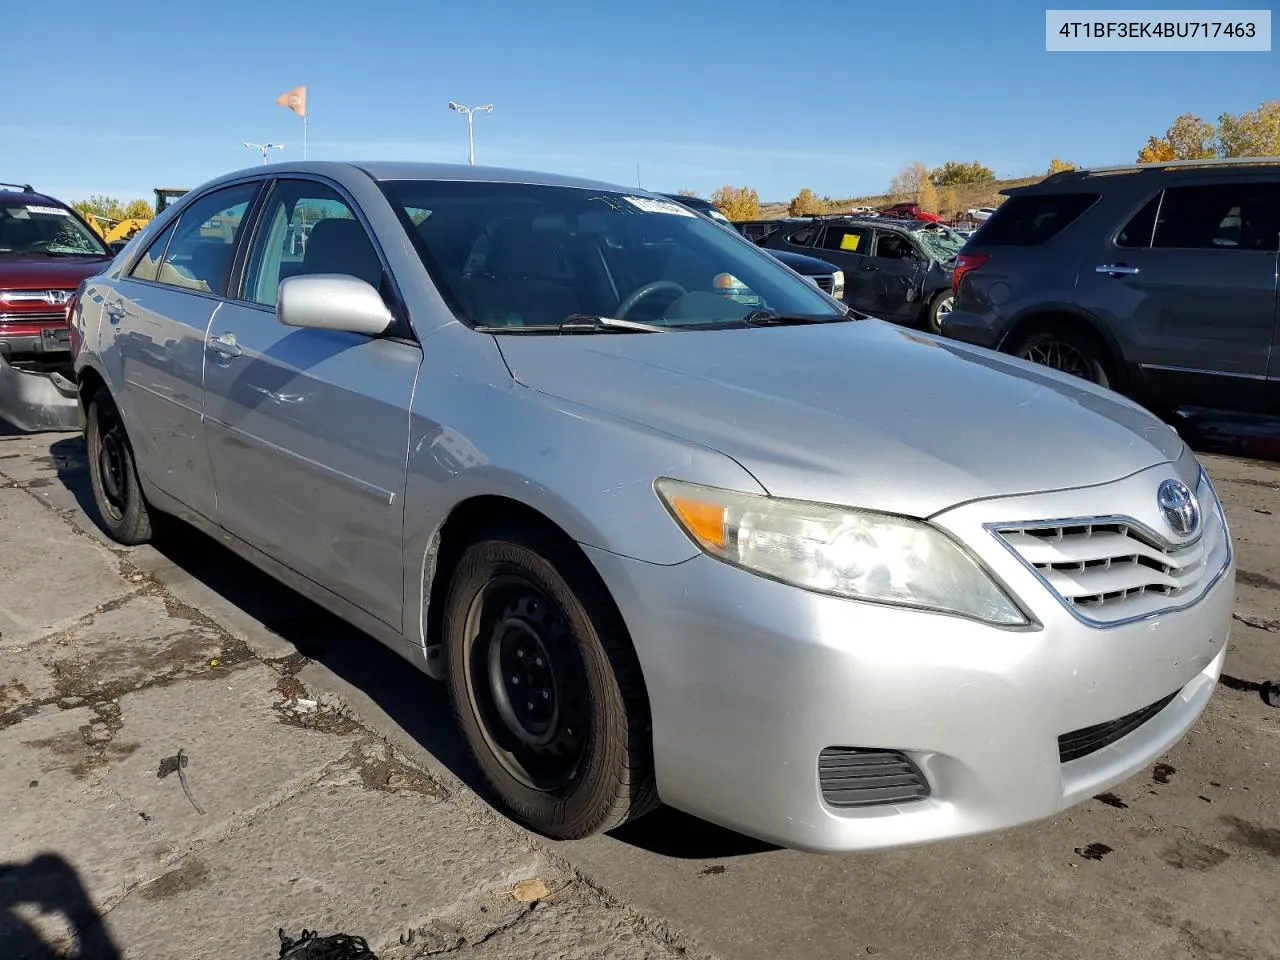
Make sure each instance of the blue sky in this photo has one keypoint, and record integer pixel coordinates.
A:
(697, 93)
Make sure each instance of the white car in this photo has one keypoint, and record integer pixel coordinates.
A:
(980, 213)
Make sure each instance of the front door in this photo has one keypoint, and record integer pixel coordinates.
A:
(893, 277)
(308, 429)
(160, 311)
(1188, 287)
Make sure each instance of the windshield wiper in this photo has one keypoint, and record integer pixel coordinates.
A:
(576, 323)
(771, 318)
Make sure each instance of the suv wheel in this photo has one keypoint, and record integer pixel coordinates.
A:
(942, 304)
(1067, 351)
(545, 685)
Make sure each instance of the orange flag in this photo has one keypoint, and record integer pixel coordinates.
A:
(295, 100)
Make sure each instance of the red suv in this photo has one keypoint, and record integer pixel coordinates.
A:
(46, 249)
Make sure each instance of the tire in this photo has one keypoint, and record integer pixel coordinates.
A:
(523, 604)
(113, 474)
(1061, 348)
(941, 304)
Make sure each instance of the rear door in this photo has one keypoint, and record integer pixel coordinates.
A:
(159, 312)
(1188, 286)
(848, 246)
(308, 429)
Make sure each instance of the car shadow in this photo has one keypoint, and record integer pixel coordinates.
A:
(417, 705)
(48, 884)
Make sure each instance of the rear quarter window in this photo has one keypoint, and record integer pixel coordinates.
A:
(1032, 220)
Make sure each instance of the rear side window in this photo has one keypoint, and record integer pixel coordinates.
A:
(1137, 232)
(1226, 216)
(1029, 221)
(803, 238)
(848, 239)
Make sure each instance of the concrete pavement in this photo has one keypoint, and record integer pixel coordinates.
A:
(356, 814)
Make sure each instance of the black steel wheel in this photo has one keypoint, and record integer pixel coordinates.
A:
(545, 685)
(113, 474)
(1063, 349)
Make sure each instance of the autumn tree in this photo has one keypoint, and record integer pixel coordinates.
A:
(953, 173)
(99, 205)
(1188, 138)
(949, 202)
(1060, 166)
(688, 193)
(909, 180)
(1252, 134)
(928, 197)
(805, 204)
(139, 210)
(737, 203)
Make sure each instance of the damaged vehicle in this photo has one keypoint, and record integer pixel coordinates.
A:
(671, 524)
(46, 249)
(892, 270)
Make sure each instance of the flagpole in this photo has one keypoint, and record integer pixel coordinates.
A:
(304, 136)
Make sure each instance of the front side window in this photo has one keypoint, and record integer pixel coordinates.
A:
(44, 229)
(308, 228)
(893, 246)
(199, 252)
(1227, 216)
(510, 254)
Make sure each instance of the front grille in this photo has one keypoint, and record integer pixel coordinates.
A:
(33, 316)
(825, 283)
(1081, 743)
(850, 777)
(1111, 569)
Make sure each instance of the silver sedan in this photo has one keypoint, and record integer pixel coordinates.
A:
(669, 522)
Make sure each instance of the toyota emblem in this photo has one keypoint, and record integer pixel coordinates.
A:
(1178, 507)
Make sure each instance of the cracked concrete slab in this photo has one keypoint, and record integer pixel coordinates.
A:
(48, 579)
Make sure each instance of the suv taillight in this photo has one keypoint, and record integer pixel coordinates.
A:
(964, 263)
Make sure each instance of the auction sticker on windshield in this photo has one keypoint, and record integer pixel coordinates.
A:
(651, 205)
(56, 211)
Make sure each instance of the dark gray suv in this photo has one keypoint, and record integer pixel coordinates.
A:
(1157, 280)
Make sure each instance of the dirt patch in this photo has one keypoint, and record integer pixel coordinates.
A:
(1193, 855)
(1261, 580)
(1111, 800)
(1162, 772)
(189, 875)
(1094, 851)
(1254, 835)
(90, 748)
(381, 768)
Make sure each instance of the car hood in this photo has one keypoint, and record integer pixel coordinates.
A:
(34, 272)
(810, 266)
(862, 413)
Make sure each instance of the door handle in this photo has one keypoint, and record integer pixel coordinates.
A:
(225, 345)
(1116, 269)
(870, 267)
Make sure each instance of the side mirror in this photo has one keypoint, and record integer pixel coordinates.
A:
(332, 301)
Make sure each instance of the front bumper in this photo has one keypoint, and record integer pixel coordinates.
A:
(36, 400)
(750, 680)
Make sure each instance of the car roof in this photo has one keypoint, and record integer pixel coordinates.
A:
(25, 194)
(1174, 169)
(387, 170)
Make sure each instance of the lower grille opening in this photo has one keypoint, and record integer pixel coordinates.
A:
(1087, 740)
(853, 777)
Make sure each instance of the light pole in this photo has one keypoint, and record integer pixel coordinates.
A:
(263, 148)
(469, 113)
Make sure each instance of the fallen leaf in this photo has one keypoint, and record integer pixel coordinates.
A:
(530, 891)
(214, 663)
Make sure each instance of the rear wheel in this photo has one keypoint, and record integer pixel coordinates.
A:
(545, 685)
(113, 474)
(1068, 351)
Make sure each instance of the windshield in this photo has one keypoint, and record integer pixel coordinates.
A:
(940, 242)
(512, 254)
(40, 228)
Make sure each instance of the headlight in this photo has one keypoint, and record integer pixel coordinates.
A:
(837, 284)
(839, 551)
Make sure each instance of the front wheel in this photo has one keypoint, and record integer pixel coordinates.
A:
(546, 687)
(1065, 350)
(113, 474)
(941, 305)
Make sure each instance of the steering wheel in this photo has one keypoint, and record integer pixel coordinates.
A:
(639, 294)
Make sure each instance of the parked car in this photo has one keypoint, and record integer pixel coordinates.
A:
(862, 211)
(1158, 281)
(895, 270)
(825, 276)
(980, 213)
(46, 249)
(817, 578)
(906, 210)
